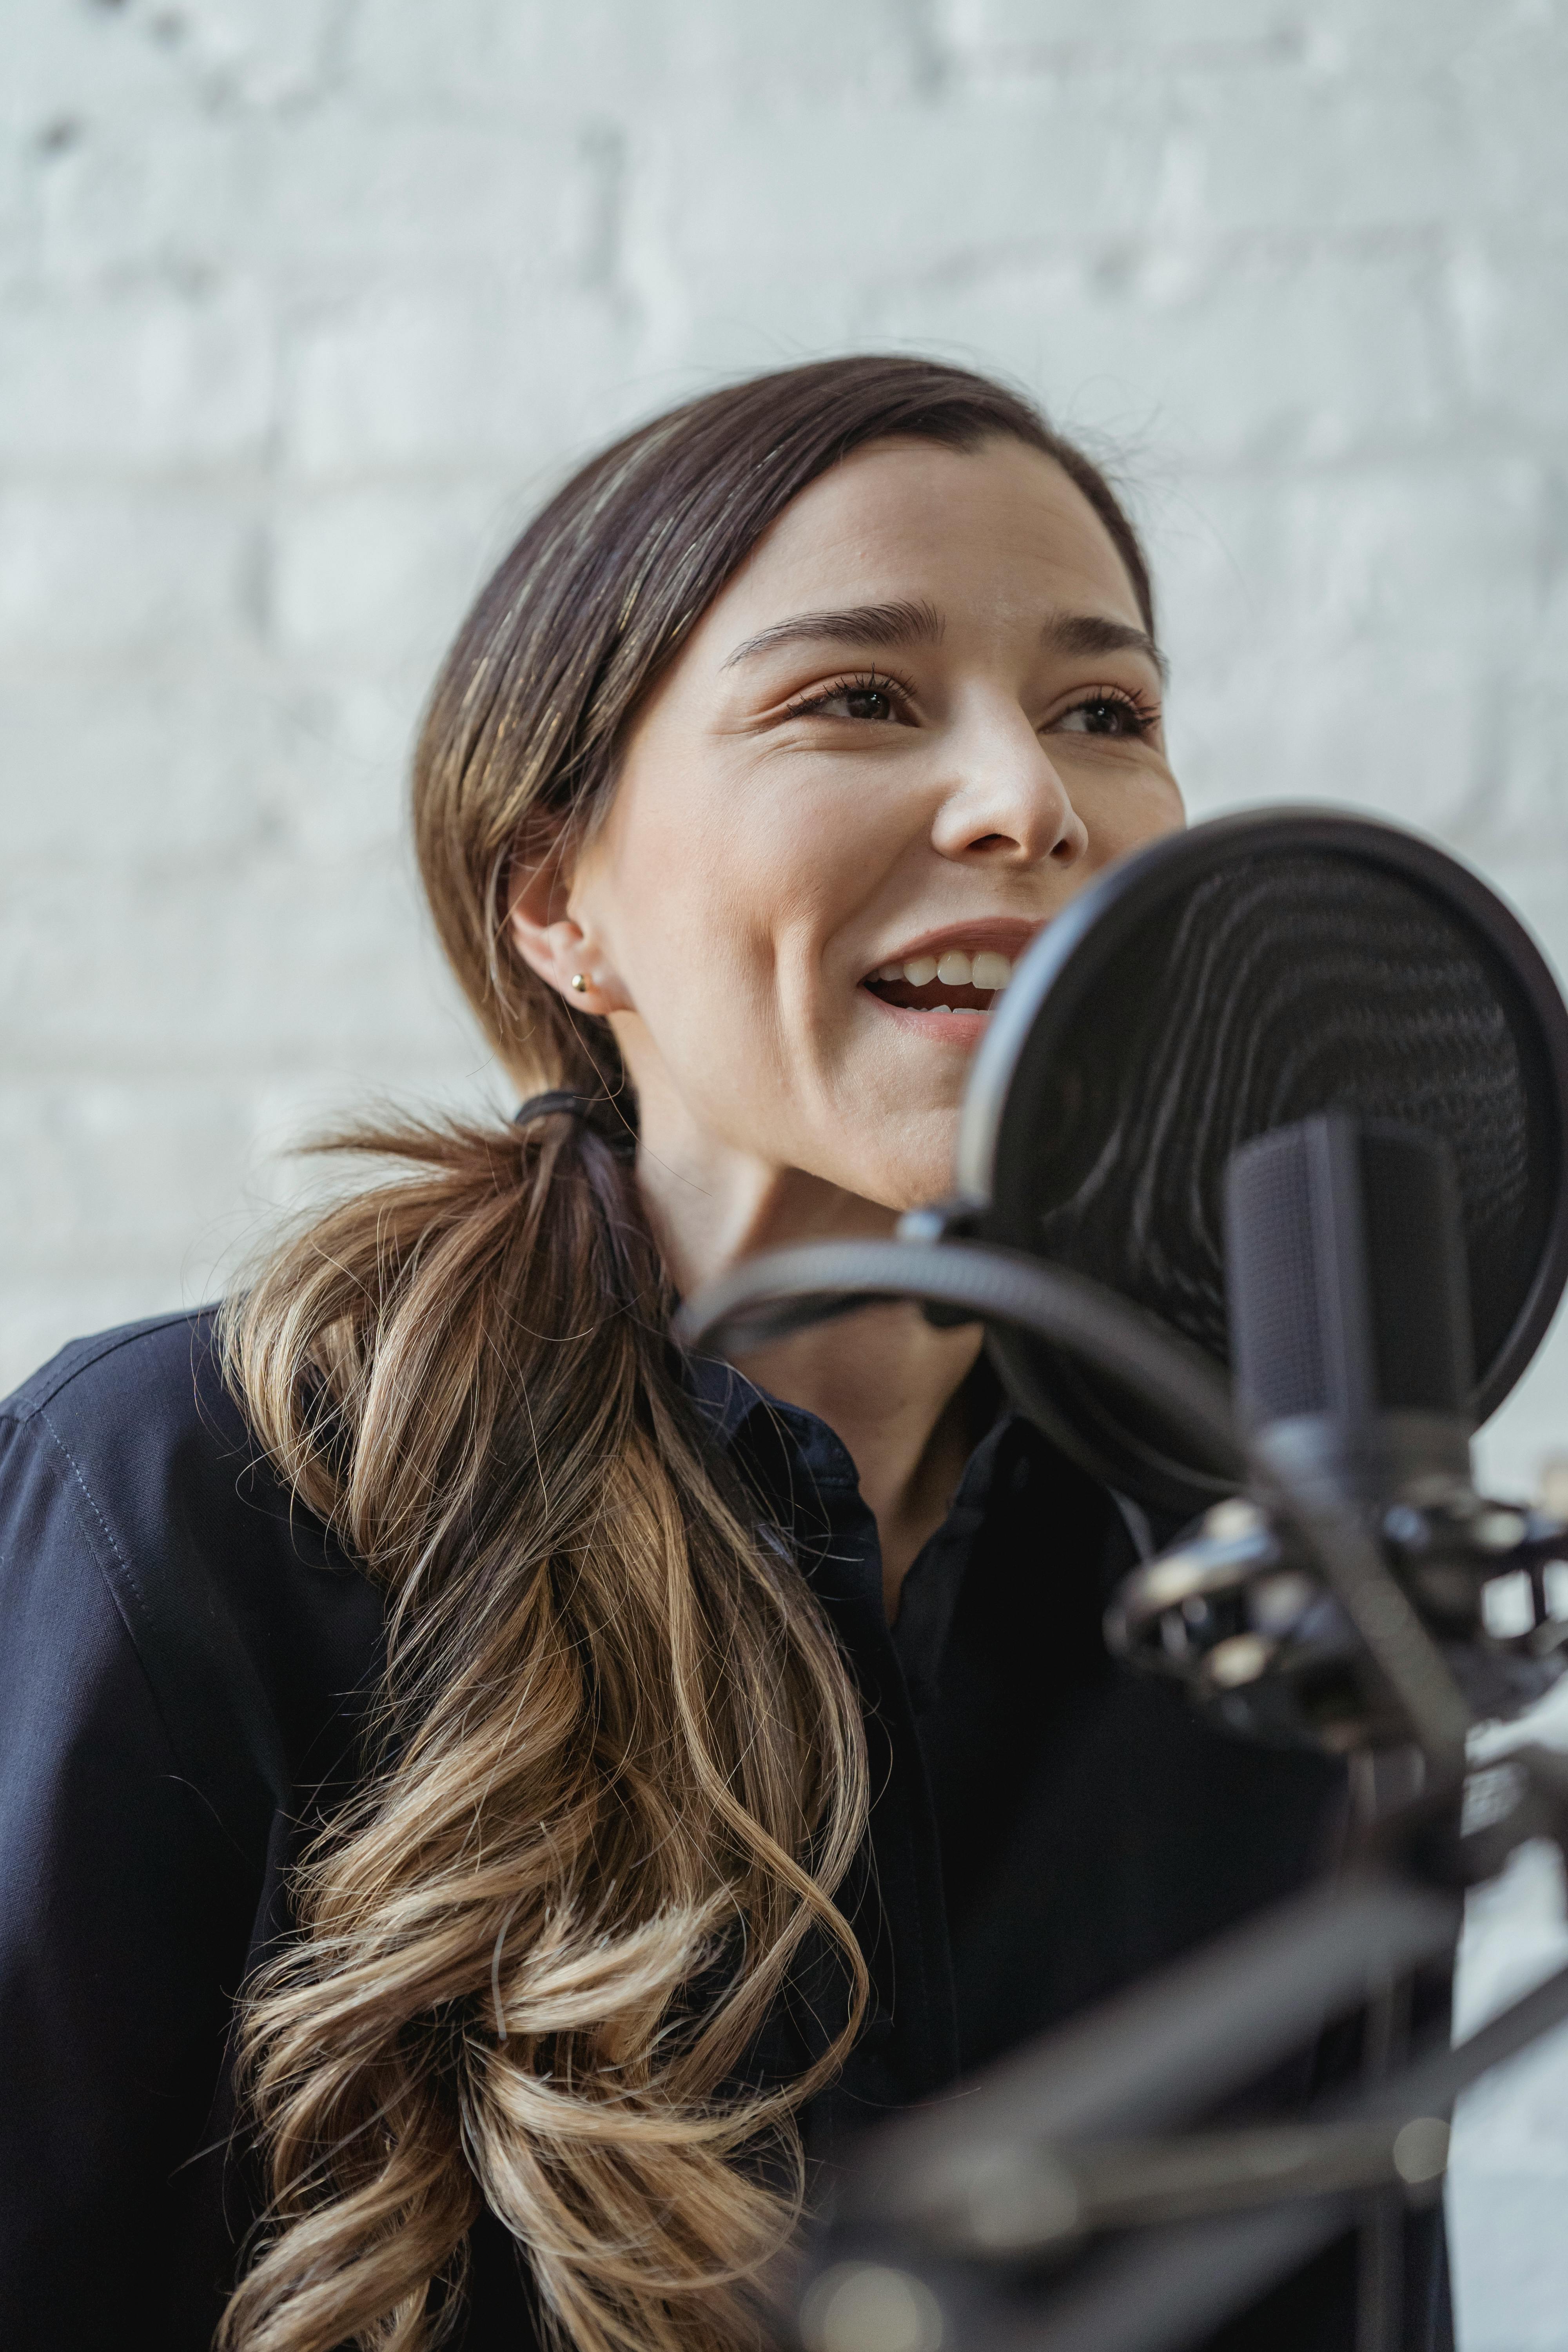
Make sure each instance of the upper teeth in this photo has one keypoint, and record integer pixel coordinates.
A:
(953, 969)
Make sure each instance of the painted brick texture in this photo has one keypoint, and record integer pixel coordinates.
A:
(303, 303)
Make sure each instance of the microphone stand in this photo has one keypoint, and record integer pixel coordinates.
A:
(1065, 2143)
(1054, 2203)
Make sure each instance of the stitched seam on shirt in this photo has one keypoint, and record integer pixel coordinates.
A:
(176, 1762)
(109, 1535)
(177, 1757)
(33, 1408)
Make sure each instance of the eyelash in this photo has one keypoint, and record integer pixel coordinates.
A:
(869, 681)
(1145, 714)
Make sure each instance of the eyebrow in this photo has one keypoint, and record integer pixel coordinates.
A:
(878, 625)
(881, 626)
(1094, 632)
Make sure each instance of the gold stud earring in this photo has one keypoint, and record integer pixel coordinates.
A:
(579, 983)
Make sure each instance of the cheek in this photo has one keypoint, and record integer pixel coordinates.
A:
(694, 900)
(1124, 810)
(738, 877)
(695, 905)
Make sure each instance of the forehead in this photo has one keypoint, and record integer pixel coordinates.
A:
(986, 534)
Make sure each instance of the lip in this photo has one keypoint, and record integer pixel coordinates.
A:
(963, 1030)
(1006, 935)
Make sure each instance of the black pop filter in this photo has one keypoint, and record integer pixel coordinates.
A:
(1225, 981)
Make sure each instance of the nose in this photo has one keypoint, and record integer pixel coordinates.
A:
(1009, 805)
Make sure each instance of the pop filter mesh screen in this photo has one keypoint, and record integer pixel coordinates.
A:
(1274, 987)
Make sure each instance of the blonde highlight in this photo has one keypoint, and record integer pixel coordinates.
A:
(621, 1761)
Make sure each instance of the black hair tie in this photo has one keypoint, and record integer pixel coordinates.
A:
(594, 1111)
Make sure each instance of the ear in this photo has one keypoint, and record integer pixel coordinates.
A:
(549, 939)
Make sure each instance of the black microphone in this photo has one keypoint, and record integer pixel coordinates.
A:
(1349, 1317)
(1349, 1322)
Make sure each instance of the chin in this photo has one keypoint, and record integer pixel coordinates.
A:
(913, 1182)
(897, 1157)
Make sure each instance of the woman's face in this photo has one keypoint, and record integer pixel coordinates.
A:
(923, 716)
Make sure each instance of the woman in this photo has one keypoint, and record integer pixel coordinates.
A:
(491, 1803)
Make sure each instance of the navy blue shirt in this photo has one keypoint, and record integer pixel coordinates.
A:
(185, 1663)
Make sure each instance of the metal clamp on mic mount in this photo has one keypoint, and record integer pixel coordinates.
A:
(1354, 1368)
(1288, 1094)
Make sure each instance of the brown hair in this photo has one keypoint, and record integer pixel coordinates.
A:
(620, 1769)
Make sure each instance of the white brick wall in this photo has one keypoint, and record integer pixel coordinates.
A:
(302, 302)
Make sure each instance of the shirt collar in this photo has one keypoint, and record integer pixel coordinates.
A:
(722, 1395)
(729, 1400)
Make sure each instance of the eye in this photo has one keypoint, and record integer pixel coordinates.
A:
(873, 697)
(1107, 711)
(859, 702)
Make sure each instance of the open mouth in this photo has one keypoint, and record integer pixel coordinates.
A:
(957, 981)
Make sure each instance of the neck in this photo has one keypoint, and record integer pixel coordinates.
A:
(884, 1379)
(890, 1386)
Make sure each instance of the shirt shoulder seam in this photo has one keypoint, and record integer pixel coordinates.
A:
(28, 1403)
(91, 1499)
(126, 1630)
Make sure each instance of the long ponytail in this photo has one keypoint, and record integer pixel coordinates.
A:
(621, 1763)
